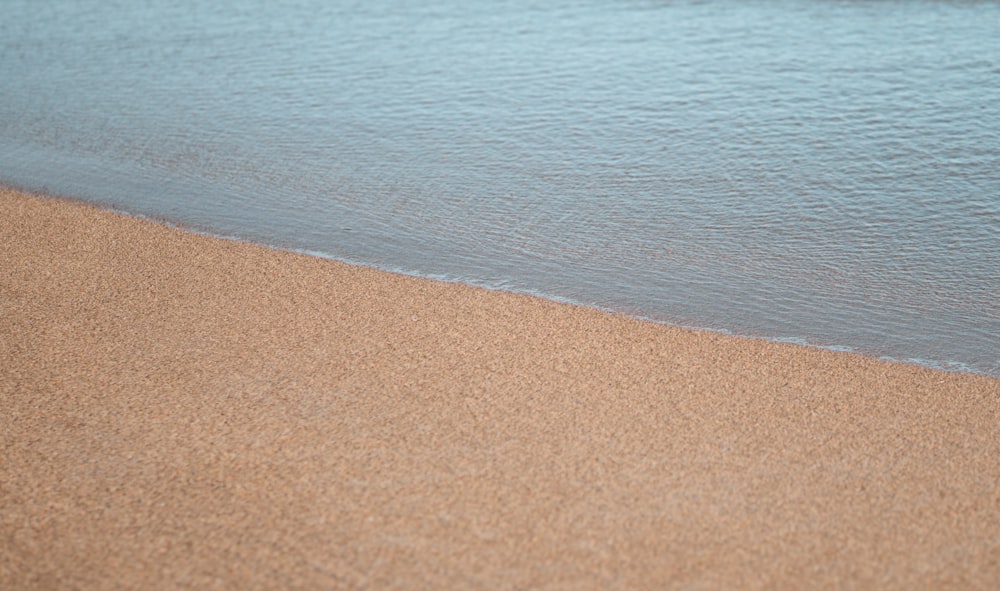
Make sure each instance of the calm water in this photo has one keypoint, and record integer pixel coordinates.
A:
(808, 170)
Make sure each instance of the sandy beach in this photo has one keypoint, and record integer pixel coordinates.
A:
(181, 411)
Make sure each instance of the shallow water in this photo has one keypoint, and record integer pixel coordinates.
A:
(816, 171)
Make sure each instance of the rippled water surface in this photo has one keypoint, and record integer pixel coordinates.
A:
(810, 170)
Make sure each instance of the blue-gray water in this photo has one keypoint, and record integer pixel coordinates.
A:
(824, 171)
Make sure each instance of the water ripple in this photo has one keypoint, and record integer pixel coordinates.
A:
(824, 172)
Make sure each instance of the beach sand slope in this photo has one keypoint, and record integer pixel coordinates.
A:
(180, 411)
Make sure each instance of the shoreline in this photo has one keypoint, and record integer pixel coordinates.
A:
(183, 410)
(948, 366)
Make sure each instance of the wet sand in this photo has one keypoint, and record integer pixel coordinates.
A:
(182, 411)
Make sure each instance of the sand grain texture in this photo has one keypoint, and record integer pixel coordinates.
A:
(181, 411)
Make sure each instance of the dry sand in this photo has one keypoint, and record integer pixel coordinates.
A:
(181, 411)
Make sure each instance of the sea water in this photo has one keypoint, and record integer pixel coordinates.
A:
(819, 171)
